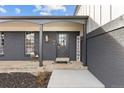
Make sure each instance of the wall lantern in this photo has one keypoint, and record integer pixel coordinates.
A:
(46, 38)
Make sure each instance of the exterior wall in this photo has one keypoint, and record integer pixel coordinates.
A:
(105, 53)
(72, 45)
(117, 10)
(49, 48)
(37, 42)
(14, 46)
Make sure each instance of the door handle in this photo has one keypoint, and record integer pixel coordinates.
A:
(58, 45)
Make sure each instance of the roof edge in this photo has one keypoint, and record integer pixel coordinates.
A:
(43, 17)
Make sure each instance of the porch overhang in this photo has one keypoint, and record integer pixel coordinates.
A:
(44, 19)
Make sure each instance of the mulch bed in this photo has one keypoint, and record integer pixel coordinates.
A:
(24, 80)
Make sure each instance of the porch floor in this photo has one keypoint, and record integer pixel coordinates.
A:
(29, 66)
(73, 79)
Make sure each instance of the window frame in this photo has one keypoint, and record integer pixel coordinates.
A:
(2, 37)
(25, 46)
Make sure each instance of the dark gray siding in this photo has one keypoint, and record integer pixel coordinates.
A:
(72, 45)
(49, 48)
(14, 46)
(105, 56)
(37, 43)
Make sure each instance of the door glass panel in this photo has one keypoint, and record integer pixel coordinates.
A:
(62, 39)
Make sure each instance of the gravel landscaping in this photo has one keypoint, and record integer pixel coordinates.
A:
(24, 80)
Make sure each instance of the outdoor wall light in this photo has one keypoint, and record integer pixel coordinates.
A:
(46, 38)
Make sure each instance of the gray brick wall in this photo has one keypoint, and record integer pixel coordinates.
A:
(105, 56)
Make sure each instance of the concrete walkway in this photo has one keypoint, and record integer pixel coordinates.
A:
(73, 79)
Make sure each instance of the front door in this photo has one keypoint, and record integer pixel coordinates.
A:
(62, 45)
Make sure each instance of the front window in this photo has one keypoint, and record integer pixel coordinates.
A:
(29, 43)
(2, 43)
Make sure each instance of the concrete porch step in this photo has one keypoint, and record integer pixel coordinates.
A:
(62, 59)
(18, 66)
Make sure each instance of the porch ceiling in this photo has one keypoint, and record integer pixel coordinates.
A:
(62, 26)
(30, 26)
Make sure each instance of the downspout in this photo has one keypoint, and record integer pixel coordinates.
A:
(84, 47)
(76, 10)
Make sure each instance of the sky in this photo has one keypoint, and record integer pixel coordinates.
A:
(37, 10)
